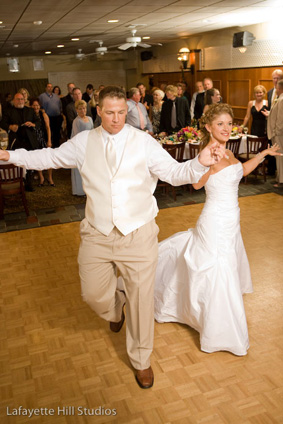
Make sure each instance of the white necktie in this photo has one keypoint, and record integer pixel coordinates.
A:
(111, 155)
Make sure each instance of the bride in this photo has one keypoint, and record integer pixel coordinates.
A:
(202, 273)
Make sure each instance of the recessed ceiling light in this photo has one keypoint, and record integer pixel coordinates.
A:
(146, 38)
(113, 21)
(37, 22)
(75, 39)
(15, 45)
(60, 46)
(48, 52)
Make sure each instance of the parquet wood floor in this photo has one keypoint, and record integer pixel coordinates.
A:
(55, 353)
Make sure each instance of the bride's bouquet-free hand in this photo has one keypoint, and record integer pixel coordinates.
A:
(188, 134)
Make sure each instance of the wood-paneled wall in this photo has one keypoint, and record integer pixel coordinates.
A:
(235, 85)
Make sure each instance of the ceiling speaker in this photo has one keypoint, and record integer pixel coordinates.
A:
(146, 55)
(242, 39)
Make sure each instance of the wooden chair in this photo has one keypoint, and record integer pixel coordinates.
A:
(194, 151)
(234, 145)
(254, 146)
(177, 152)
(11, 184)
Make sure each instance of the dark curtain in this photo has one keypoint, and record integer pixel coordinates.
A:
(34, 86)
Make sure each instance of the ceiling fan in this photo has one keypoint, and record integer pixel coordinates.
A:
(135, 41)
(100, 50)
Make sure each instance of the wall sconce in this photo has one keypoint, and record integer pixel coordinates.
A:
(183, 56)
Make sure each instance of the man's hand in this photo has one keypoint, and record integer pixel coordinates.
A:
(4, 155)
(13, 128)
(29, 124)
(212, 154)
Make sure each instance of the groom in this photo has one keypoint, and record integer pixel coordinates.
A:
(120, 166)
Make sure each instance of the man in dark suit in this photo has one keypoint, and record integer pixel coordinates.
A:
(272, 94)
(88, 93)
(175, 112)
(200, 99)
(68, 98)
(20, 122)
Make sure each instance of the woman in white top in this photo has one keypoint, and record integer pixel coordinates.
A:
(80, 123)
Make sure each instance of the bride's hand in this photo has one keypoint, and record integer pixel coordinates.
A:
(212, 154)
(273, 150)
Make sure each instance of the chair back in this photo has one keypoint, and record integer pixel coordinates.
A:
(10, 175)
(194, 150)
(11, 183)
(175, 150)
(256, 145)
(234, 145)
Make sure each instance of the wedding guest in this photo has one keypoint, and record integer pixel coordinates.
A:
(43, 134)
(26, 95)
(155, 109)
(199, 89)
(57, 90)
(137, 115)
(175, 112)
(272, 94)
(255, 107)
(80, 123)
(275, 129)
(211, 96)
(200, 99)
(203, 272)
(146, 99)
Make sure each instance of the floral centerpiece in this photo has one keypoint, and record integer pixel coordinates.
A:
(235, 130)
(170, 139)
(188, 134)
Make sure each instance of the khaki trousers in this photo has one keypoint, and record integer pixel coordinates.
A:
(135, 256)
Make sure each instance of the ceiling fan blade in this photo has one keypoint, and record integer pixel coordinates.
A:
(145, 46)
(125, 46)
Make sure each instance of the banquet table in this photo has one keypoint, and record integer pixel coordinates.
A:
(242, 149)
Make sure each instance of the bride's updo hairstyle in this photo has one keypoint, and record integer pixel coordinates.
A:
(211, 114)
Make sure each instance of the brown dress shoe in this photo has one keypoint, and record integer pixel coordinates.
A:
(145, 378)
(116, 326)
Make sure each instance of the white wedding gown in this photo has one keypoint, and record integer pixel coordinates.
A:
(202, 273)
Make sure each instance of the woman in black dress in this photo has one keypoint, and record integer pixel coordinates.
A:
(255, 108)
(43, 134)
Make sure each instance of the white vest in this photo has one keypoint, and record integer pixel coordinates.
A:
(125, 200)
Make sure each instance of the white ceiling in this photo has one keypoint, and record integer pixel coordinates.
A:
(163, 21)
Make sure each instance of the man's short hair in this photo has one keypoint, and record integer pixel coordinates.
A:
(133, 91)
(278, 72)
(70, 83)
(113, 91)
(89, 87)
(140, 83)
(172, 89)
(76, 88)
